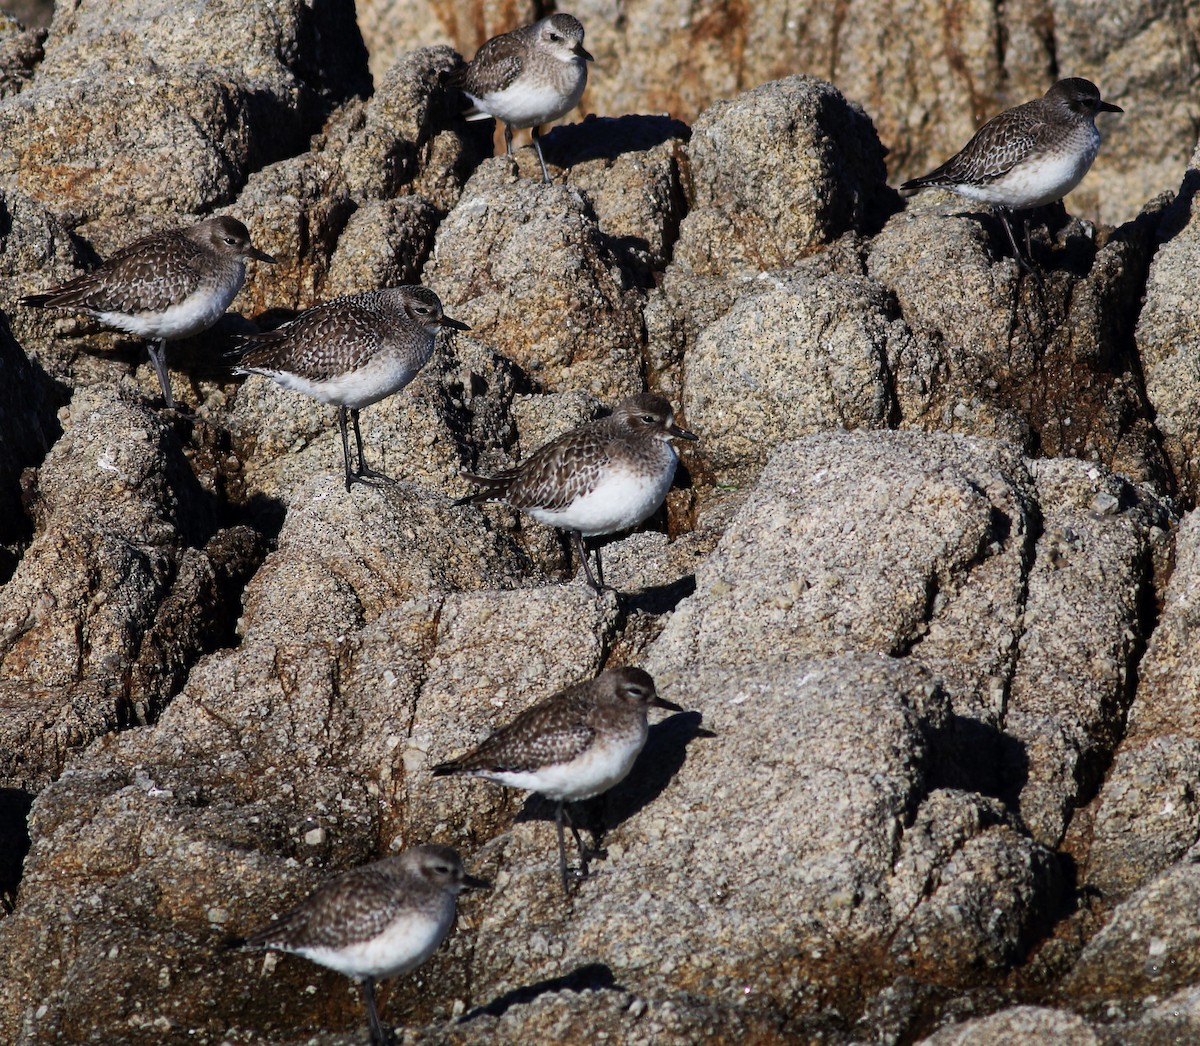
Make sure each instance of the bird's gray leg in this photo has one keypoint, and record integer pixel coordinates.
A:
(364, 470)
(583, 556)
(362, 461)
(508, 139)
(562, 847)
(346, 444)
(583, 852)
(1003, 213)
(537, 144)
(158, 359)
(378, 1035)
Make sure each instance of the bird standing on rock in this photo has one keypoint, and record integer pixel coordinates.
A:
(352, 352)
(164, 287)
(374, 922)
(1027, 156)
(570, 746)
(527, 77)
(599, 478)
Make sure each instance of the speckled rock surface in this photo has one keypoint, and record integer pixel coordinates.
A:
(571, 320)
(1167, 327)
(923, 588)
(184, 124)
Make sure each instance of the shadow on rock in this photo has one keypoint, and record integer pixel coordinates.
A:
(658, 599)
(976, 757)
(661, 759)
(592, 977)
(607, 137)
(15, 804)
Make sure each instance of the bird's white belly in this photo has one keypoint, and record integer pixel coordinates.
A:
(406, 943)
(1035, 183)
(191, 316)
(357, 388)
(622, 500)
(596, 771)
(525, 104)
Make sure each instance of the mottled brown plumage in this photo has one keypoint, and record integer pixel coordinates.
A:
(1027, 156)
(572, 745)
(351, 352)
(376, 921)
(164, 287)
(600, 478)
(527, 77)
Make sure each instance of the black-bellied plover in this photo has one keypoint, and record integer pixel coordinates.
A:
(376, 921)
(164, 287)
(528, 77)
(1027, 156)
(351, 352)
(600, 478)
(572, 745)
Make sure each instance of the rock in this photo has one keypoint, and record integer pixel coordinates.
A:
(1083, 635)
(1165, 326)
(795, 355)
(1147, 815)
(631, 170)
(1149, 946)
(1064, 381)
(1018, 1024)
(384, 244)
(127, 580)
(20, 52)
(186, 121)
(535, 278)
(295, 210)
(412, 138)
(344, 557)
(777, 173)
(797, 575)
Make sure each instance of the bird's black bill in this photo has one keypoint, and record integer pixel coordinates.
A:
(679, 433)
(662, 702)
(583, 52)
(1108, 107)
(254, 252)
(458, 325)
(473, 882)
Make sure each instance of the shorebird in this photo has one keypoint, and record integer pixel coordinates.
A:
(1026, 156)
(570, 746)
(374, 922)
(164, 287)
(600, 478)
(527, 77)
(352, 352)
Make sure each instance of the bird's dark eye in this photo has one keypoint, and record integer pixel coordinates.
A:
(442, 869)
(649, 419)
(555, 37)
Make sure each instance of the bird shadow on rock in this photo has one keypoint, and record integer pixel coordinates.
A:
(658, 599)
(974, 756)
(1055, 242)
(661, 759)
(594, 976)
(607, 137)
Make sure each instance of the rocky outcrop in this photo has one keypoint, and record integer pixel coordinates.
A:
(924, 588)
